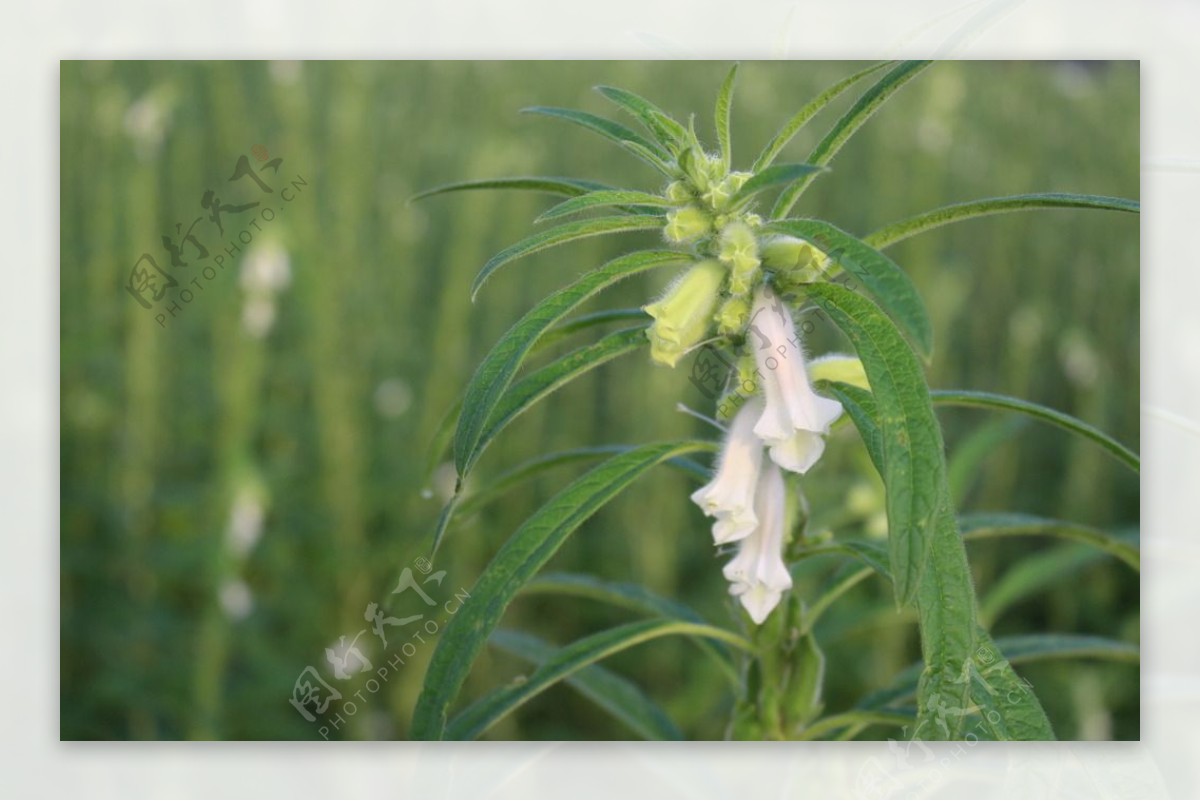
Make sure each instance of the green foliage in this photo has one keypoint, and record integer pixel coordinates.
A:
(966, 685)
(162, 428)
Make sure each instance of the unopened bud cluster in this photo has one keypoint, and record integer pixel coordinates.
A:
(732, 257)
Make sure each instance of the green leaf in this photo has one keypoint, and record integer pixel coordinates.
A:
(859, 405)
(1034, 574)
(721, 116)
(570, 187)
(614, 131)
(951, 691)
(793, 126)
(869, 553)
(883, 278)
(666, 131)
(650, 157)
(990, 400)
(847, 126)
(567, 232)
(586, 321)
(898, 231)
(1018, 649)
(860, 719)
(540, 383)
(912, 453)
(497, 369)
(969, 454)
(525, 471)
(525, 552)
(1025, 648)
(635, 598)
(619, 697)
(986, 525)
(771, 177)
(608, 197)
(945, 596)
(481, 715)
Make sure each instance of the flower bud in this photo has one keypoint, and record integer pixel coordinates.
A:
(684, 313)
(677, 192)
(687, 224)
(738, 247)
(797, 261)
(733, 316)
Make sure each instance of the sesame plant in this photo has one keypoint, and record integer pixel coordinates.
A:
(745, 271)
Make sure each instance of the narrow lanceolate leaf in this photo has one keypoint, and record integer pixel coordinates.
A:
(609, 197)
(540, 383)
(898, 231)
(618, 696)
(497, 369)
(635, 598)
(985, 525)
(482, 714)
(859, 405)
(793, 126)
(967, 686)
(1023, 648)
(951, 639)
(569, 187)
(990, 400)
(847, 126)
(561, 234)
(912, 450)
(882, 277)
(666, 131)
(522, 556)
(651, 157)
(1040, 572)
(771, 177)
(1020, 649)
(614, 131)
(528, 470)
(721, 116)
(586, 321)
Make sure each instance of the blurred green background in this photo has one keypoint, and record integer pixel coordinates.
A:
(238, 485)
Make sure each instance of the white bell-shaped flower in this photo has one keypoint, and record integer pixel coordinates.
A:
(729, 497)
(795, 418)
(758, 575)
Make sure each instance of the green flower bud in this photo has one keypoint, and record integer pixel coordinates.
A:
(687, 224)
(733, 316)
(738, 247)
(684, 313)
(797, 261)
(677, 192)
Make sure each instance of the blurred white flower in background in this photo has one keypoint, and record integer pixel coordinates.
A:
(393, 397)
(236, 599)
(266, 271)
(245, 522)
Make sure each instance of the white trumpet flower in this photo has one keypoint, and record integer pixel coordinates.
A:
(729, 497)
(758, 575)
(795, 419)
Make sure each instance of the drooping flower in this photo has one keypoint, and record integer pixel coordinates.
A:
(795, 418)
(684, 314)
(758, 575)
(729, 497)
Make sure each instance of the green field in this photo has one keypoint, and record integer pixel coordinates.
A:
(241, 479)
